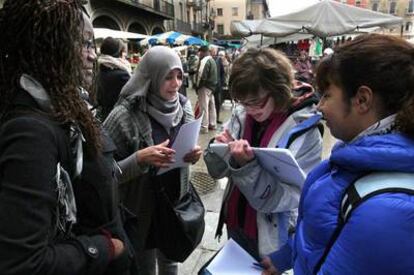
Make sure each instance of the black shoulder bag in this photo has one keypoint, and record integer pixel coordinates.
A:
(178, 225)
(178, 222)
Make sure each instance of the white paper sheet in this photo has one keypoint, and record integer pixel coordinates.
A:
(184, 142)
(282, 164)
(233, 260)
(278, 161)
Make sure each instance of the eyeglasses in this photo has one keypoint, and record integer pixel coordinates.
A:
(256, 104)
(89, 44)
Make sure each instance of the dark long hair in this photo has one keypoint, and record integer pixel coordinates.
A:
(43, 38)
(381, 62)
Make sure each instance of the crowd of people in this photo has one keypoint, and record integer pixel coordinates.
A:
(209, 69)
(79, 179)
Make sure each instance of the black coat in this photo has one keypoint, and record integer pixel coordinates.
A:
(109, 84)
(31, 145)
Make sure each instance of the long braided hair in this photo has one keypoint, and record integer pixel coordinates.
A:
(43, 38)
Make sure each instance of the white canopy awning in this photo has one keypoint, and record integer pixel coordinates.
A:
(257, 40)
(103, 33)
(323, 19)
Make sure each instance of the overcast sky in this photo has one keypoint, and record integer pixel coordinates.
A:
(279, 7)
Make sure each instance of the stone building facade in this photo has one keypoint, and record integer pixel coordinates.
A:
(401, 8)
(139, 16)
(225, 11)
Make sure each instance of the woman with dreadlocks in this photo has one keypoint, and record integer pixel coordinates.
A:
(57, 176)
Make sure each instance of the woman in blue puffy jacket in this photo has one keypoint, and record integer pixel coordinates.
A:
(367, 100)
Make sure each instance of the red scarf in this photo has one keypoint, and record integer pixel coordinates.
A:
(250, 221)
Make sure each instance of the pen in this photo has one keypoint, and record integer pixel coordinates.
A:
(258, 266)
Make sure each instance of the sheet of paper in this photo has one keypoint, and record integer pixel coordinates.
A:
(278, 161)
(233, 260)
(282, 164)
(184, 142)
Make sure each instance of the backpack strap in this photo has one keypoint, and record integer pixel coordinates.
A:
(361, 190)
(298, 130)
(372, 185)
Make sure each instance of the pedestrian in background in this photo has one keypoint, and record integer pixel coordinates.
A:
(59, 209)
(218, 93)
(206, 82)
(368, 103)
(184, 63)
(259, 209)
(303, 68)
(227, 67)
(146, 119)
(193, 62)
(112, 75)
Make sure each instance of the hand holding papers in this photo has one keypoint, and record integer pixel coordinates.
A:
(184, 142)
(277, 161)
(232, 259)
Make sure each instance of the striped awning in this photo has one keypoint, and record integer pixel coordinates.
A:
(172, 38)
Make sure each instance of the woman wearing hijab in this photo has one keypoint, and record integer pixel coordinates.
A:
(145, 120)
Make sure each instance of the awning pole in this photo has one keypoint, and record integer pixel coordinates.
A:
(261, 40)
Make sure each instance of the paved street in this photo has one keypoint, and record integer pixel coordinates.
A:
(212, 201)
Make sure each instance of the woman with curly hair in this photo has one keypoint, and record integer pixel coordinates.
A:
(59, 211)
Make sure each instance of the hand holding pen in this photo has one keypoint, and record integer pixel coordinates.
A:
(224, 137)
(159, 155)
(241, 151)
(268, 267)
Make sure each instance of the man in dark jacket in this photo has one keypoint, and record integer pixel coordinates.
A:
(112, 76)
(206, 85)
(218, 93)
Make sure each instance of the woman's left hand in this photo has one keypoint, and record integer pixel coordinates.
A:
(194, 155)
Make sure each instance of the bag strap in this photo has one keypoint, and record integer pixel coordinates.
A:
(372, 185)
(363, 189)
(299, 129)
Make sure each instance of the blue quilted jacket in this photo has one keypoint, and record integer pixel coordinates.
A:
(379, 236)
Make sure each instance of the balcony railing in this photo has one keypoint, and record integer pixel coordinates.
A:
(198, 27)
(159, 6)
(165, 7)
(182, 26)
(196, 4)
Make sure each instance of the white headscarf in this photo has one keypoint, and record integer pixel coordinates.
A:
(146, 82)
